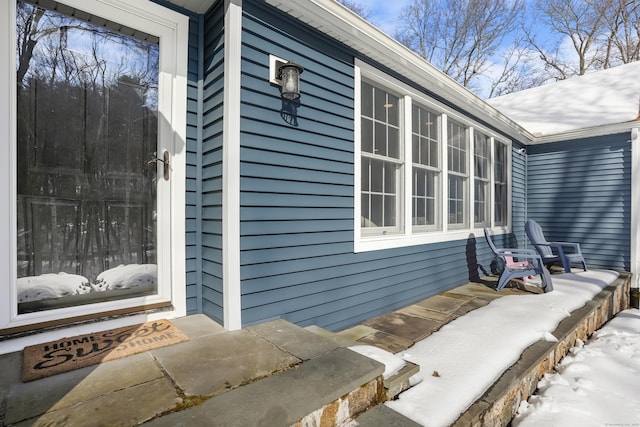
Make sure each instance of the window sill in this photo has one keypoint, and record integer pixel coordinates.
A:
(375, 243)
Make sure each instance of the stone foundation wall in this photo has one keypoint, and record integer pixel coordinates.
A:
(499, 404)
(344, 410)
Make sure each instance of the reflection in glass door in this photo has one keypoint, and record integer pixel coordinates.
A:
(86, 189)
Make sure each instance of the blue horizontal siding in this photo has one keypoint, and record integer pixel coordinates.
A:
(192, 184)
(296, 192)
(580, 191)
(211, 160)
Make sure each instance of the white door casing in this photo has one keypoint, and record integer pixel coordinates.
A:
(172, 30)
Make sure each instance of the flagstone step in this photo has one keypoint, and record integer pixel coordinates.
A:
(395, 384)
(332, 388)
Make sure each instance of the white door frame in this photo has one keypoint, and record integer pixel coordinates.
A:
(172, 28)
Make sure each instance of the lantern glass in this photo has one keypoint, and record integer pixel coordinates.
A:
(290, 76)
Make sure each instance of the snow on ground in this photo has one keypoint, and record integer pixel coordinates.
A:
(129, 276)
(492, 338)
(392, 363)
(51, 285)
(57, 285)
(598, 384)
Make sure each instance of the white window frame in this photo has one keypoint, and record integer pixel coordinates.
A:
(401, 166)
(172, 29)
(410, 235)
(488, 181)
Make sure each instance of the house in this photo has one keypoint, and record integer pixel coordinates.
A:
(157, 166)
(583, 165)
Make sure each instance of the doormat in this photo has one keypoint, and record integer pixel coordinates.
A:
(67, 354)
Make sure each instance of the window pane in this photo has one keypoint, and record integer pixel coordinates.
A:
(365, 210)
(457, 148)
(365, 179)
(393, 110)
(481, 202)
(390, 209)
(377, 210)
(424, 203)
(366, 136)
(415, 119)
(457, 197)
(481, 155)
(390, 178)
(377, 176)
(380, 104)
(425, 134)
(500, 174)
(366, 100)
(86, 129)
(394, 143)
(380, 139)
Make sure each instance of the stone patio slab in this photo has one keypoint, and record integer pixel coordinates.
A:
(386, 341)
(127, 407)
(442, 304)
(71, 388)
(228, 359)
(282, 399)
(411, 328)
(418, 311)
(299, 342)
(357, 332)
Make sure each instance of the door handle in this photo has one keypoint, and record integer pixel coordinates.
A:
(165, 163)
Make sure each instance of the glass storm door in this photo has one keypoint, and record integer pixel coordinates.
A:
(87, 137)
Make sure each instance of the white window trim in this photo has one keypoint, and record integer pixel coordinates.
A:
(172, 29)
(409, 237)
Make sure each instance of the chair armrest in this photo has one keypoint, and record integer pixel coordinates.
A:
(517, 252)
(574, 246)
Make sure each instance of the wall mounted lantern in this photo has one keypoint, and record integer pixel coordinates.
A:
(285, 74)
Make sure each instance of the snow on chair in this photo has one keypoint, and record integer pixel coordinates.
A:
(528, 263)
(565, 253)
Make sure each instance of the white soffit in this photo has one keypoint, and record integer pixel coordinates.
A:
(340, 23)
(198, 6)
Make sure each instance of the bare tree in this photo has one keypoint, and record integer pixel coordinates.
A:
(458, 36)
(580, 22)
(601, 34)
(356, 7)
(514, 70)
(621, 32)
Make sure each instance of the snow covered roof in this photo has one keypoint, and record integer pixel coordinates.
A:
(603, 98)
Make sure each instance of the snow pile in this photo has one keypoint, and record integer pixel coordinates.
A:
(51, 285)
(601, 98)
(597, 385)
(460, 361)
(140, 276)
(392, 363)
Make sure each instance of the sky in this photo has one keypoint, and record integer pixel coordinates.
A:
(384, 13)
(577, 393)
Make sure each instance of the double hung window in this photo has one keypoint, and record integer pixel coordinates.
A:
(426, 173)
(382, 163)
(482, 179)
(425, 180)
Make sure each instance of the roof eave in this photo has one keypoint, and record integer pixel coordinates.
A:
(343, 25)
(588, 132)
